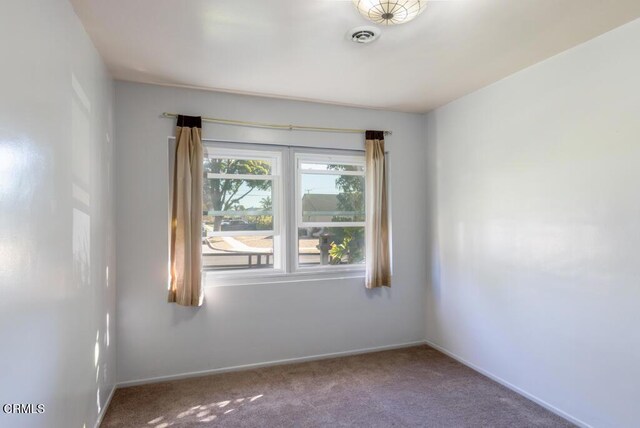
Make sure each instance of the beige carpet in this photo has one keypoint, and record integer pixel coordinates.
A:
(411, 387)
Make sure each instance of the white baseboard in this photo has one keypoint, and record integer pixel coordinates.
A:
(125, 384)
(105, 407)
(490, 375)
(512, 387)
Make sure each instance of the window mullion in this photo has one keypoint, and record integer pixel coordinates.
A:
(292, 220)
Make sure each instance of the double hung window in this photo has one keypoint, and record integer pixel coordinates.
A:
(241, 225)
(329, 210)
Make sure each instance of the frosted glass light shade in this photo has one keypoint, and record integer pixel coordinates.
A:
(390, 12)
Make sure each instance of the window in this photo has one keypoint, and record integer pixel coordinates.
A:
(241, 219)
(329, 210)
(282, 210)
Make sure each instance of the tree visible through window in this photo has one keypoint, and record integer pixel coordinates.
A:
(350, 243)
(238, 218)
(226, 195)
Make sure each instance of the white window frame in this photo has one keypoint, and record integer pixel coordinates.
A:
(276, 158)
(321, 156)
(285, 213)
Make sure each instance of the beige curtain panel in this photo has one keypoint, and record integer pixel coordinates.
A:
(378, 259)
(186, 214)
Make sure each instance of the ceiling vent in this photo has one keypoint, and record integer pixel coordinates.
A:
(364, 34)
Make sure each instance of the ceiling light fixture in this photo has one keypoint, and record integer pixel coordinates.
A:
(390, 12)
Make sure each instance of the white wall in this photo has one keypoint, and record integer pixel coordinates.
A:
(536, 243)
(56, 218)
(249, 324)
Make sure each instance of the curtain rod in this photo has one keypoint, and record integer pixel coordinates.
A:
(276, 126)
(283, 146)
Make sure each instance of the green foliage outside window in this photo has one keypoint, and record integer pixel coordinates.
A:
(350, 249)
(226, 194)
(350, 240)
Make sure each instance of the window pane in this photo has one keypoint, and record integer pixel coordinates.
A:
(237, 252)
(233, 204)
(329, 197)
(236, 166)
(323, 166)
(330, 246)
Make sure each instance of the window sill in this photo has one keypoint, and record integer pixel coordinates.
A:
(213, 279)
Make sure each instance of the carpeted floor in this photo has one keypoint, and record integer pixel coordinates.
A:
(411, 387)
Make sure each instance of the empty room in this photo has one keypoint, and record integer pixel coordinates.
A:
(320, 213)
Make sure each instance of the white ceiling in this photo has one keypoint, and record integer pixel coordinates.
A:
(299, 49)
